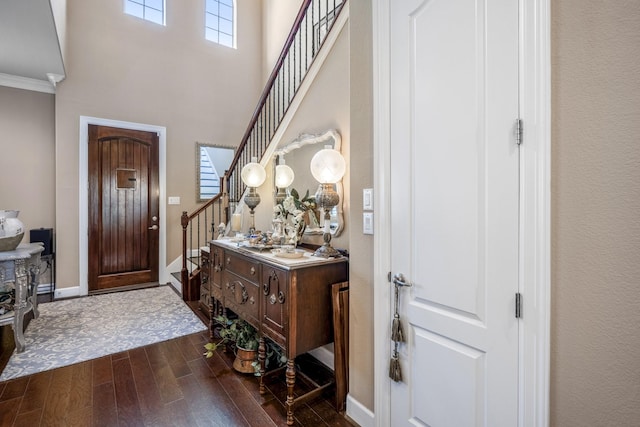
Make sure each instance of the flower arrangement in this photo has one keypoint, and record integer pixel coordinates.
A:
(297, 210)
(295, 207)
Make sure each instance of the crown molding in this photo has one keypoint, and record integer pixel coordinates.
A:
(26, 83)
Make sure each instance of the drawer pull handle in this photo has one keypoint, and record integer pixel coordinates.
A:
(243, 296)
(281, 297)
(252, 300)
(253, 271)
(217, 268)
(228, 260)
(272, 299)
(265, 288)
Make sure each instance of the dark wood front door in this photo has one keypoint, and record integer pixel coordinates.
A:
(123, 207)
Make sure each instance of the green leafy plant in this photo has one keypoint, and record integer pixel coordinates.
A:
(243, 335)
(234, 331)
(275, 358)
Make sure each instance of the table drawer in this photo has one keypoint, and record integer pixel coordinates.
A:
(241, 296)
(242, 266)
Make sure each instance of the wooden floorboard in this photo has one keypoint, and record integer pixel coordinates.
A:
(164, 384)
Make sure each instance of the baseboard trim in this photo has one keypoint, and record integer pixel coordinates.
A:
(359, 413)
(70, 292)
(45, 288)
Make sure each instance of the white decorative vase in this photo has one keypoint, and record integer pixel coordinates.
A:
(11, 230)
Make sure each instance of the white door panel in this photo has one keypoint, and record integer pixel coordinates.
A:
(454, 98)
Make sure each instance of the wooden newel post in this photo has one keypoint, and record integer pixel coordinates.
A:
(184, 274)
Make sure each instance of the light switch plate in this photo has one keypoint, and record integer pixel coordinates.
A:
(367, 222)
(174, 200)
(367, 199)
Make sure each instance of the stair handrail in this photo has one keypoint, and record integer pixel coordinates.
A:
(269, 86)
(270, 81)
(227, 191)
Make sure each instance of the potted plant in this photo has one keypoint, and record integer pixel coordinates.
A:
(245, 338)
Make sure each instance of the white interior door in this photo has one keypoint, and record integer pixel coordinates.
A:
(454, 214)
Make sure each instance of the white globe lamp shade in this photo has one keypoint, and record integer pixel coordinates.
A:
(284, 176)
(253, 174)
(328, 166)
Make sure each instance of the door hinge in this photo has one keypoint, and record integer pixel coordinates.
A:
(389, 277)
(519, 131)
(518, 305)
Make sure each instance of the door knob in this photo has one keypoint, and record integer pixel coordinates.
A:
(153, 227)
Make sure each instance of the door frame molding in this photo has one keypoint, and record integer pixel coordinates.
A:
(83, 188)
(535, 252)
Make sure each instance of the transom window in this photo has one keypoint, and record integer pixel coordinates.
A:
(220, 22)
(149, 10)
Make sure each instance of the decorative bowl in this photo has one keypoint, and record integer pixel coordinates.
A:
(10, 243)
(11, 230)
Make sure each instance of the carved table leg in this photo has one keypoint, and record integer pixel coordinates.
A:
(290, 380)
(34, 276)
(262, 356)
(20, 306)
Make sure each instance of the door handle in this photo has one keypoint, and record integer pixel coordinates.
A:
(153, 227)
(399, 280)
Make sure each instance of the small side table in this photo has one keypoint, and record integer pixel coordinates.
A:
(22, 267)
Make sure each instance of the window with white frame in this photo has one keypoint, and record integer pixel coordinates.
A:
(220, 22)
(149, 10)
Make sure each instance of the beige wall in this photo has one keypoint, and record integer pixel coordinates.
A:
(277, 21)
(325, 106)
(27, 166)
(361, 381)
(122, 68)
(595, 300)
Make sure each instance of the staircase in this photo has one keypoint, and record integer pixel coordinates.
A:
(313, 23)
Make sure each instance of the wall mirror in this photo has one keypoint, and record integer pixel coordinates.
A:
(211, 163)
(297, 154)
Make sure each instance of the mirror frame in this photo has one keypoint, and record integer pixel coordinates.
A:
(308, 139)
(199, 146)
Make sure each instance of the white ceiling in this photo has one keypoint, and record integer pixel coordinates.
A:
(29, 45)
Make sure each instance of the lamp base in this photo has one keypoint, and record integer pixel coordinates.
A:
(327, 251)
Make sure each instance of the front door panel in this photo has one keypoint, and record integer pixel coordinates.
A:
(123, 207)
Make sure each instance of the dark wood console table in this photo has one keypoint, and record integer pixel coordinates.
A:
(287, 300)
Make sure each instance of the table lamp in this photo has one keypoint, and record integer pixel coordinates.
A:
(328, 168)
(253, 175)
(284, 178)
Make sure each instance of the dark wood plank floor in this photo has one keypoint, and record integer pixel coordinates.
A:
(164, 384)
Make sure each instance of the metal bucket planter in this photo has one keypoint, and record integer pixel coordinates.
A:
(244, 360)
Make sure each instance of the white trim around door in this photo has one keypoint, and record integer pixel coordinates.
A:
(535, 232)
(83, 225)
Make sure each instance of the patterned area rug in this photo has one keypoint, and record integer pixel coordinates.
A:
(75, 330)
